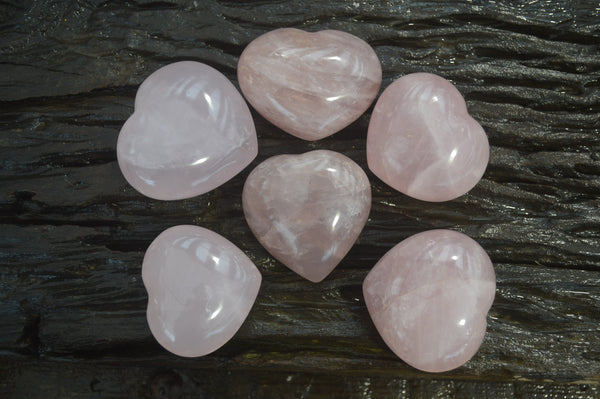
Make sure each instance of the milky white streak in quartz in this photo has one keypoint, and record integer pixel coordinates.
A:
(191, 132)
(423, 142)
(200, 289)
(307, 210)
(310, 84)
(429, 297)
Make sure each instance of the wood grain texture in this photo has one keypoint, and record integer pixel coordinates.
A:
(73, 233)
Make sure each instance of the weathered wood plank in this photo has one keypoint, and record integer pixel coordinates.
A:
(123, 380)
(72, 232)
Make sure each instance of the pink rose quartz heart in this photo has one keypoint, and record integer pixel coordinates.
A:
(309, 84)
(191, 132)
(423, 142)
(200, 289)
(307, 210)
(429, 296)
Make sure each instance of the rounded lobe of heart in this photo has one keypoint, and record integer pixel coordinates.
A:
(307, 210)
(429, 296)
(422, 141)
(310, 84)
(191, 132)
(201, 288)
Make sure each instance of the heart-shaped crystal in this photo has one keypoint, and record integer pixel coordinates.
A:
(310, 84)
(200, 289)
(191, 132)
(423, 142)
(307, 210)
(429, 297)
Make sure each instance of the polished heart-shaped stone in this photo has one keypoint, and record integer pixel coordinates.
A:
(310, 84)
(307, 210)
(429, 297)
(191, 132)
(423, 142)
(200, 289)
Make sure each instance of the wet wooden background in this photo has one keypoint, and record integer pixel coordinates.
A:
(73, 233)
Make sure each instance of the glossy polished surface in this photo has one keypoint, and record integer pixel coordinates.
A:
(200, 289)
(307, 210)
(310, 84)
(423, 142)
(191, 132)
(429, 297)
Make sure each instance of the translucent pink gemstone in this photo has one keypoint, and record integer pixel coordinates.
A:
(200, 289)
(191, 132)
(307, 210)
(429, 297)
(423, 142)
(309, 84)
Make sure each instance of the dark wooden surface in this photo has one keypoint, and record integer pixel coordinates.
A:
(73, 233)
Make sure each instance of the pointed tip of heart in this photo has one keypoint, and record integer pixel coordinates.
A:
(315, 275)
